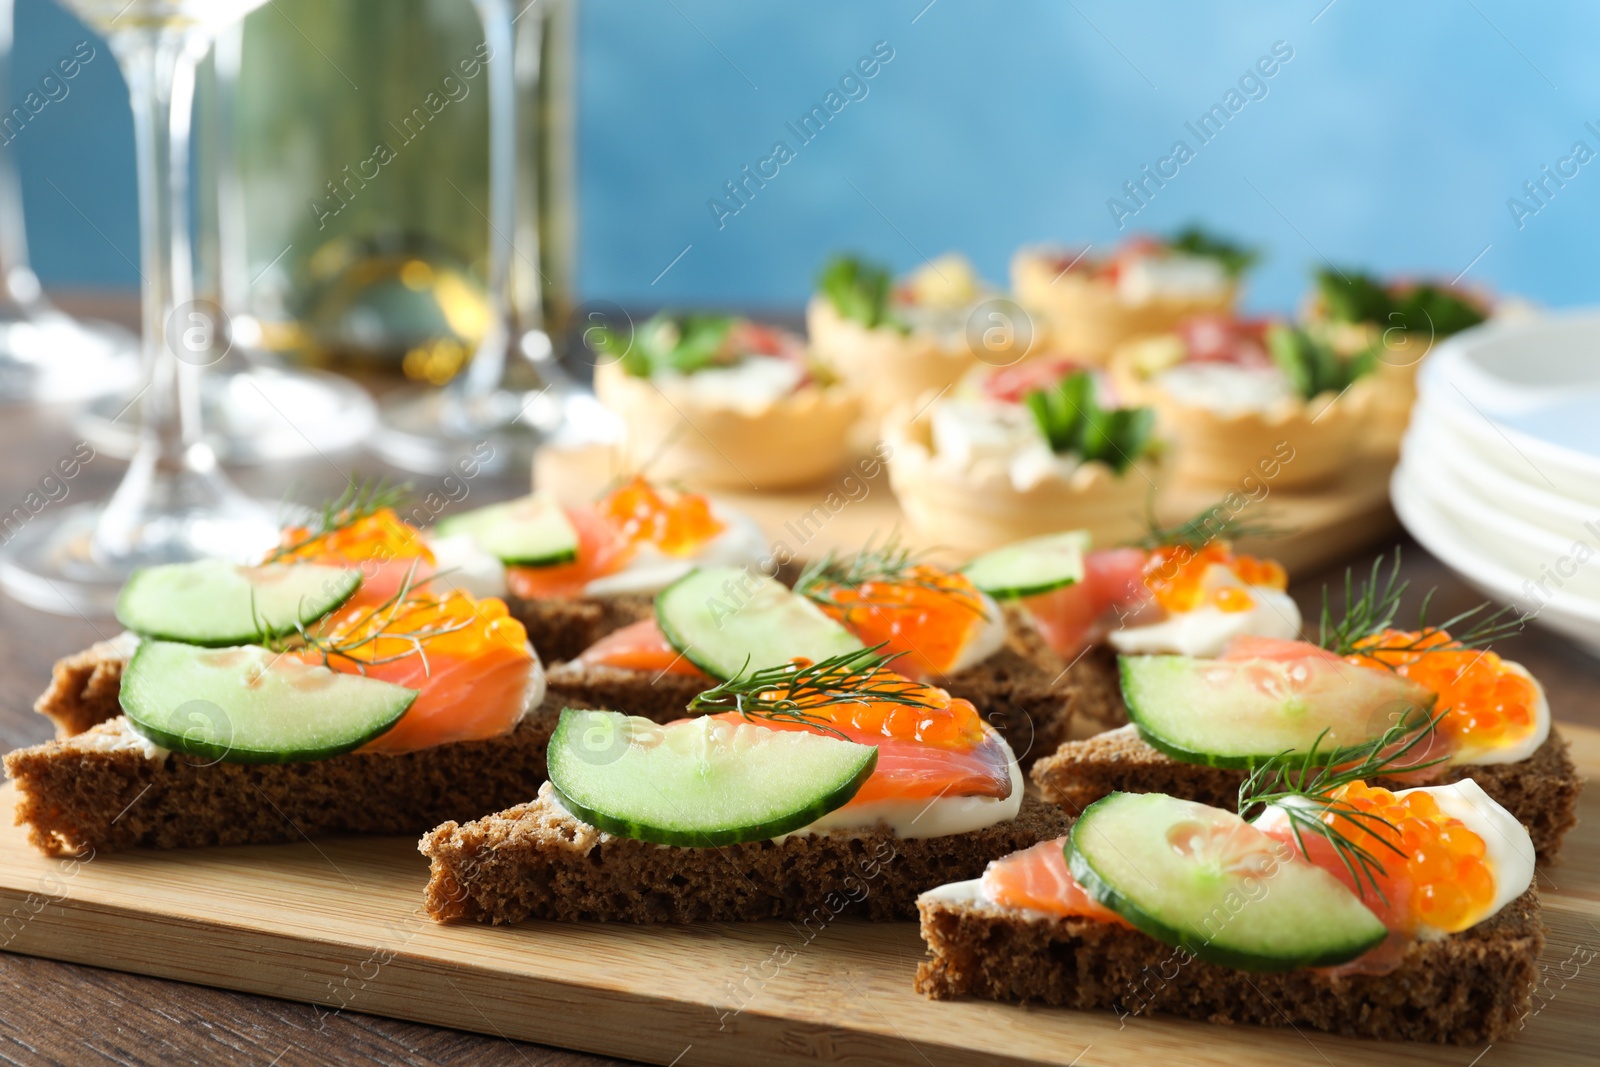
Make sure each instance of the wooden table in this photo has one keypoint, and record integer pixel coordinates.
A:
(59, 1013)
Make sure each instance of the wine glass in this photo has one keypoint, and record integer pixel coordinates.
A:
(514, 391)
(254, 408)
(45, 356)
(174, 503)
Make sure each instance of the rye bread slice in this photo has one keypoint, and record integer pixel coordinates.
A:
(537, 861)
(83, 688)
(1541, 791)
(107, 789)
(1467, 989)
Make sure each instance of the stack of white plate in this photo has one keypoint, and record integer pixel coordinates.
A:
(1500, 471)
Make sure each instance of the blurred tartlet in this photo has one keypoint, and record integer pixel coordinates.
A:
(1090, 306)
(1022, 451)
(890, 342)
(726, 402)
(1399, 321)
(1251, 398)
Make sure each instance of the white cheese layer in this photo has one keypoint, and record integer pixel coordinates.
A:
(970, 432)
(650, 570)
(1227, 388)
(1206, 630)
(749, 386)
(1522, 749)
(1172, 276)
(968, 892)
(469, 567)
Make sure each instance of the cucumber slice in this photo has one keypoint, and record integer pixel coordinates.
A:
(213, 602)
(1240, 713)
(1204, 880)
(251, 705)
(533, 531)
(700, 782)
(1031, 567)
(725, 618)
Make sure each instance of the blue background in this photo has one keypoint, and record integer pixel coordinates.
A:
(1392, 139)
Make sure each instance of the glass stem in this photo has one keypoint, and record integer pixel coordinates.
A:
(19, 287)
(487, 369)
(160, 71)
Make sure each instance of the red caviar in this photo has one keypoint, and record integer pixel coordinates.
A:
(471, 673)
(945, 722)
(1443, 880)
(929, 616)
(1487, 702)
(1175, 575)
(382, 546)
(641, 514)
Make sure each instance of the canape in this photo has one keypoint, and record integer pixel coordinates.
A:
(1242, 398)
(1091, 306)
(357, 693)
(1028, 450)
(574, 572)
(1199, 726)
(803, 791)
(725, 402)
(893, 342)
(943, 627)
(1338, 906)
(1399, 322)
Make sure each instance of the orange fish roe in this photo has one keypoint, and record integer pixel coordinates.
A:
(381, 536)
(929, 616)
(642, 514)
(1487, 703)
(1175, 574)
(945, 722)
(471, 678)
(1444, 880)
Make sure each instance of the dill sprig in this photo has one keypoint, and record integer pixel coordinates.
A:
(361, 499)
(1370, 608)
(890, 564)
(791, 692)
(385, 621)
(1208, 525)
(1301, 785)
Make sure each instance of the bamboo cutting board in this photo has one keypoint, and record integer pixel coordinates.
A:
(338, 923)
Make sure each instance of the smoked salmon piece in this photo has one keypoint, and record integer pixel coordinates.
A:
(640, 646)
(1037, 878)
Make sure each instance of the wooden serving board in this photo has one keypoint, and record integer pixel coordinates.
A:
(338, 923)
(1312, 529)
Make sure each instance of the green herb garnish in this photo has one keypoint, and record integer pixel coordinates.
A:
(1311, 364)
(1370, 608)
(1235, 258)
(1214, 523)
(860, 291)
(1301, 785)
(789, 692)
(361, 499)
(669, 341)
(890, 563)
(1072, 421)
(1354, 296)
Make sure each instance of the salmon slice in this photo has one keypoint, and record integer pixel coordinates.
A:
(471, 676)
(927, 619)
(1074, 616)
(1249, 646)
(1037, 879)
(640, 646)
(602, 549)
(937, 747)
(385, 549)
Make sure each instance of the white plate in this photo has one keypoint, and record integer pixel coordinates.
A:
(1564, 612)
(1435, 454)
(1525, 394)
